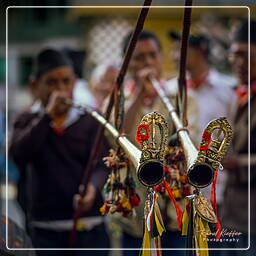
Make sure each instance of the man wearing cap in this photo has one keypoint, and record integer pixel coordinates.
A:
(236, 201)
(52, 141)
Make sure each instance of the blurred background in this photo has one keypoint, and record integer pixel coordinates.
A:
(92, 36)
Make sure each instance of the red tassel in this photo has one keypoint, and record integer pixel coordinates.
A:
(214, 203)
(135, 200)
(140, 137)
(119, 207)
(160, 188)
(157, 188)
(206, 136)
(218, 227)
(177, 207)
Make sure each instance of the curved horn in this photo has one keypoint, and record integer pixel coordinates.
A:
(211, 152)
(200, 168)
(148, 163)
(151, 169)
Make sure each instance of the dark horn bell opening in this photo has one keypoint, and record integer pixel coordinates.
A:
(150, 173)
(200, 175)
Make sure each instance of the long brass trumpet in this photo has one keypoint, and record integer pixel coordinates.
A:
(200, 164)
(149, 170)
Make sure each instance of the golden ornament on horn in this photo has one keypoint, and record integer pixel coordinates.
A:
(211, 152)
(152, 134)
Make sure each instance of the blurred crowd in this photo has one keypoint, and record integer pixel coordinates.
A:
(51, 141)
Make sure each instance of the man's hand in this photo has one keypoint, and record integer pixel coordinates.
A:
(143, 77)
(230, 162)
(85, 204)
(57, 105)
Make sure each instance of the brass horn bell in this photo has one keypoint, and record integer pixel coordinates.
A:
(154, 130)
(211, 152)
(149, 161)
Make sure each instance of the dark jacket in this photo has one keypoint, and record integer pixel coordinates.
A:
(235, 206)
(55, 163)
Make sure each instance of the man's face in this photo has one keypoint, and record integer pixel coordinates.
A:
(239, 61)
(108, 80)
(146, 55)
(58, 79)
(193, 55)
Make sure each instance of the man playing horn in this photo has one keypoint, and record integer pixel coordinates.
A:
(142, 98)
(51, 141)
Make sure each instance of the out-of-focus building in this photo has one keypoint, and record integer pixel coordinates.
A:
(99, 32)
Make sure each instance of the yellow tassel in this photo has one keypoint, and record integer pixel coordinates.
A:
(146, 242)
(158, 218)
(176, 192)
(159, 226)
(103, 209)
(201, 229)
(206, 226)
(202, 239)
(185, 221)
(126, 203)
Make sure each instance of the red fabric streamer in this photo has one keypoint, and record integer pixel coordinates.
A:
(206, 136)
(214, 203)
(177, 207)
(242, 92)
(140, 137)
(213, 191)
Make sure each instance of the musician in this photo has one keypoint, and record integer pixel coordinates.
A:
(142, 99)
(141, 96)
(102, 82)
(52, 141)
(146, 61)
(235, 207)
